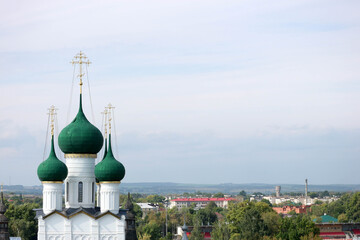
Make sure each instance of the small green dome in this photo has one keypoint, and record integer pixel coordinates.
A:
(109, 169)
(52, 169)
(80, 136)
(105, 152)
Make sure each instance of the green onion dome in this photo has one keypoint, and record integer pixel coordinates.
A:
(52, 169)
(80, 136)
(105, 152)
(109, 169)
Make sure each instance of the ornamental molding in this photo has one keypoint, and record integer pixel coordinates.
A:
(80, 155)
(104, 182)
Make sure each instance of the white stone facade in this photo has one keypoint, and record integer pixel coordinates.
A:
(104, 223)
(81, 227)
(109, 197)
(80, 182)
(52, 196)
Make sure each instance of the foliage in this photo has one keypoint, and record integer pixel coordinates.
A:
(220, 231)
(246, 220)
(218, 195)
(196, 233)
(22, 221)
(242, 193)
(297, 227)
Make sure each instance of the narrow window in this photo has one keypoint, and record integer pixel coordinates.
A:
(80, 192)
(67, 191)
(93, 193)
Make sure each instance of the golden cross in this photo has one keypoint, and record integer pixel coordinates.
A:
(105, 112)
(80, 59)
(52, 113)
(109, 107)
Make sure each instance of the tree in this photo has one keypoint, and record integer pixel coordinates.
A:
(155, 198)
(245, 220)
(22, 221)
(153, 230)
(196, 233)
(343, 218)
(242, 193)
(297, 227)
(220, 231)
(266, 201)
(272, 221)
(218, 195)
(353, 207)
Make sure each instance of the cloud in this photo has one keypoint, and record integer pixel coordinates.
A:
(208, 158)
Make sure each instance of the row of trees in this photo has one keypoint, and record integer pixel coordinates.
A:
(346, 209)
(243, 220)
(249, 220)
(21, 215)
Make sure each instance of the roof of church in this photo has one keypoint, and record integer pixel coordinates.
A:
(80, 136)
(52, 169)
(71, 212)
(3, 218)
(109, 169)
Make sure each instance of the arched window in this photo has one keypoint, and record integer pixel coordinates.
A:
(80, 192)
(93, 191)
(67, 191)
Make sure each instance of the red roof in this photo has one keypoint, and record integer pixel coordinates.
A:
(332, 234)
(206, 234)
(356, 231)
(202, 199)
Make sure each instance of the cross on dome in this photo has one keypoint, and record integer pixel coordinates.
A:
(80, 59)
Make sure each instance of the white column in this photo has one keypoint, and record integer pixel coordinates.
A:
(41, 229)
(98, 195)
(109, 197)
(52, 196)
(80, 182)
(121, 225)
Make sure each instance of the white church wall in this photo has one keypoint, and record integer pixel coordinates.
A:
(80, 170)
(81, 226)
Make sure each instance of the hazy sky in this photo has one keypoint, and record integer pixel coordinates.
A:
(205, 91)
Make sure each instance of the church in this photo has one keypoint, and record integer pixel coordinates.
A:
(91, 208)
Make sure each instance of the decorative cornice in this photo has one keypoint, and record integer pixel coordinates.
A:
(110, 182)
(80, 155)
(52, 182)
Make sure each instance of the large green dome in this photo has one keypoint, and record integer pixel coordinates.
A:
(80, 136)
(109, 169)
(52, 169)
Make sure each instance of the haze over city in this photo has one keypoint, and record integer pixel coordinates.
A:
(205, 91)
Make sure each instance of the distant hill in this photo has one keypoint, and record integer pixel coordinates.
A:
(230, 188)
(178, 188)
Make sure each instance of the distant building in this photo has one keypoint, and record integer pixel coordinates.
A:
(326, 219)
(287, 209)
(148, 207)
(339, 230)
(200, 202)
(181, 232)
(277, 190)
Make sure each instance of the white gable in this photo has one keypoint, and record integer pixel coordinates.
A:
(81, 223)
(108, 223)
(55, 223)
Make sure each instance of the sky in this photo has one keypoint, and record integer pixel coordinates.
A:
(233, 91)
